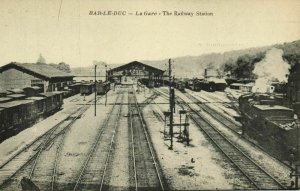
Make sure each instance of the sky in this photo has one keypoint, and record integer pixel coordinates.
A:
(63, 30)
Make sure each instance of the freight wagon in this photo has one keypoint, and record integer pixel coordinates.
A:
(16, 114)
(102, 87)
(52, 101)
(87, 88)
(194, 84)
(179, 84)
(75, 88)
(212, 85)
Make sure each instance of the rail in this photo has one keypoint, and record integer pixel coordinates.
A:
(110, 149)
(147, 140)
(133, 150)
(36, 147)
(251, 170)
(230, 124)
(216, 114)
(94, 147)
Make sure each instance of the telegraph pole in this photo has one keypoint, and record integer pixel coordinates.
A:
(294, 160)
(95, 90)
(106, 79)
(171, 92)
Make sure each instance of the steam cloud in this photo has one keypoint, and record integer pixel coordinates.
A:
(271, 68)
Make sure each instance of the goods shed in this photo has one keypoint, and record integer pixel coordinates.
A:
(20, 75)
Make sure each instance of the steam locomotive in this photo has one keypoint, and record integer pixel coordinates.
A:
(293, 88)
(272, 125)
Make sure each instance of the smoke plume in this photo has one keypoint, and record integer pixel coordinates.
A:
(271, 68)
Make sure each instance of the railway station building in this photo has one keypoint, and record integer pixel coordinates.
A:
(135, 70)
(20, 75)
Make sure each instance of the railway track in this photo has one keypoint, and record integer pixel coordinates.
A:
(58, 151)
(232, 103)
(145, 166)
(94, 169)
(29, 155)
(227, 122)
(56, 160)
(218, 100)
(149, 100)
(230, 124)
(257, 176)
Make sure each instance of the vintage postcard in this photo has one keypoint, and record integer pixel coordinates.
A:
(149, 95)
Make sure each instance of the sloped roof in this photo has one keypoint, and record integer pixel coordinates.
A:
(16, 91)
(274, 107)
(15, 103)
(42, 70)
(17, 95)
(49, 94)
(5, 99)
(135, 63)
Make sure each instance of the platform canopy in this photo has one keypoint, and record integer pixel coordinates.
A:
(133, 68)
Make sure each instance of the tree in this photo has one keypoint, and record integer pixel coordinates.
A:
(292, 59)
(61, 66)
(244, 65)
(64, 67)
(229, 66)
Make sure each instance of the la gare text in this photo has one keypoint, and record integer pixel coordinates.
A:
(151, 13)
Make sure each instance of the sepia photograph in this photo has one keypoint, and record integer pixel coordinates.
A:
(149, 95)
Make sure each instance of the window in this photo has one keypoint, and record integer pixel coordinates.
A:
(36, 82)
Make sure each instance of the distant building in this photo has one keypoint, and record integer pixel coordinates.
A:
(21, 75)
(208, 73)
(135, 70)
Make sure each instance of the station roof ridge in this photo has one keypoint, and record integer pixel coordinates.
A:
(38, 69)
(135, 63)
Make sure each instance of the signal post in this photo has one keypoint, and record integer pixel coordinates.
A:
(172, 102)
(170, 114)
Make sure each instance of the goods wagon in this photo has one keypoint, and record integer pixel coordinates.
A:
(53, 101)
(75, 88)
(15, 114)
(102, 87)
(194, 84)
(179, 84)
(212, 85)
(87, 88)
